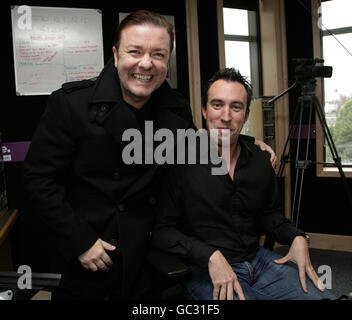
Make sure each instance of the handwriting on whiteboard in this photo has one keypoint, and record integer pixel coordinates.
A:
(63, 44)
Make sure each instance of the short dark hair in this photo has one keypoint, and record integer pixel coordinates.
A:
(141, 17)
(231, 75)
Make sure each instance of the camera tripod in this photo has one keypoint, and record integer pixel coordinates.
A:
(307, 102)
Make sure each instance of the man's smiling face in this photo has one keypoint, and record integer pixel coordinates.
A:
(226, 109)
(141, 61)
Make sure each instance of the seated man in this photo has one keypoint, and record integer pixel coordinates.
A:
(215, 221)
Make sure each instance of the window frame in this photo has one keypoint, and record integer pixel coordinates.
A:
(254, 125)
(322, 170)
(253, 40)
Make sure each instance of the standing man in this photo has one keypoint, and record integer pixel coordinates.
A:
(99, 210)
(214, 222)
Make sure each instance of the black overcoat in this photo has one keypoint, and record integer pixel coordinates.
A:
(74, 177)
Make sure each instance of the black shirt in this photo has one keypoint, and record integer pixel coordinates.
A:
(200, 212)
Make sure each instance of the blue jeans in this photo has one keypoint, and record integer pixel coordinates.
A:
(260, 279)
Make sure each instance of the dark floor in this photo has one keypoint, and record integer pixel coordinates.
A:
(340, 263)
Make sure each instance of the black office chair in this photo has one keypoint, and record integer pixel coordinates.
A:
(171, 270)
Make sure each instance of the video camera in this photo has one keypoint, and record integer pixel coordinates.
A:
(306, 69)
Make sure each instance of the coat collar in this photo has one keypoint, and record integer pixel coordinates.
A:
(106, 102)
(107, 87)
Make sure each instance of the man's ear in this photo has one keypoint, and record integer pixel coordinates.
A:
(246, 117)
(116, 58)
(204, 112)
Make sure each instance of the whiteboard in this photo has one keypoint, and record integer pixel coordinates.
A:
(52, 46)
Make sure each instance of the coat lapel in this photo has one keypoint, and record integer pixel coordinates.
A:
(119, 119)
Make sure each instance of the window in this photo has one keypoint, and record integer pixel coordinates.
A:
(241, 47)
(336, 46)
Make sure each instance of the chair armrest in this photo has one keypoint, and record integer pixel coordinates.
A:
(168, 264)
(40, 281)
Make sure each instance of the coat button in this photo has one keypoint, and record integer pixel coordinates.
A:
(103, 108)
(152, 201)
(121, 207)
(116, 176)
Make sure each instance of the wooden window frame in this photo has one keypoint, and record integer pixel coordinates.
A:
(321, 170)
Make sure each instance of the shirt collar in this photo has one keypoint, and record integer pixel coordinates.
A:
(246, 151)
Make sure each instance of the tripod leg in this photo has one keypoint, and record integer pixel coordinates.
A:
(269, 241)
(292, 132)
(301, 166)
(297, 163)
(326, 130)
(301, 178)
(332, 147)
(293, 208)
(306, 162)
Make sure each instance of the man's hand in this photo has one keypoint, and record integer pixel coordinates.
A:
(96, 258)
(264, 147)
(223, 278)
(299, 254)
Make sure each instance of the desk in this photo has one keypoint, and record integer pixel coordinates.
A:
(6, 222)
